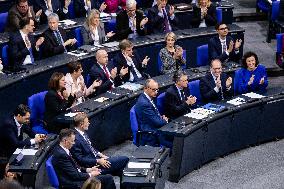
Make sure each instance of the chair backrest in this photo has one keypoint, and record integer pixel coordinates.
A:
(3, 21)
(71, 10)
(134, 125)
(219, 15)
(160, 102)
(79, 37)
(279, 41)
(53, 180)
(194, 90)
(263, 5)
(236, 81)
(110, 25)
(160, 63)
(275, 10)
(37, 106)
(202, 55)
(5, 56)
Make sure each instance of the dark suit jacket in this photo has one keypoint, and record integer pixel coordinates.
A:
(67, 170)
(79, 7)
(122, 25)
(281, 11)
(54, 106)
(96, 72)
(9, 139)
(210, 18)
(57, 6)
(18, 50)
(81, 151)
(207, 85)
(50, 45)
(173, 105)
(215, 50)
(147, 116)
(120, 61)
(156, 23)
(87, 35)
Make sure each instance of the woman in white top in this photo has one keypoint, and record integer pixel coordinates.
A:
(93, 31)
(75, 83)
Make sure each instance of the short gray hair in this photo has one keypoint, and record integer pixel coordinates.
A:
(130, 3)
(53, 15)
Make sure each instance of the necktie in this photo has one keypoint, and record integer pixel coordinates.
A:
(224, 46)
(28, 43)
(59, 39)
(221, 91)
(95, 152)
(166, 22)
(152, 102)
(74, 162)
(182, 95)
(106, 72)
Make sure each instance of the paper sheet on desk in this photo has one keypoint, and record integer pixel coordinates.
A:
(101, 99)
(253, 95)
(237, 101)
(199, 113)
(70, 114)
(28, 152)
(67, 22)
(78, 55)
(133, 165)
(103, 14)
(131, 86)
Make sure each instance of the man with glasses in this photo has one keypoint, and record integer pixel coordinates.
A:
(21, 10)
(223, 47)
(216, 85)
(149, 117)
(130, 22)
(178, 100)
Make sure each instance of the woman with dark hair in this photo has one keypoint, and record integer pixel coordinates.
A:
(204, 14)
(252, 77)
(57, 100)
(75, 84)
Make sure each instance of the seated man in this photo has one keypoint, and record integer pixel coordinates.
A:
(11, 135)
(83, 7)
(23, 48)
(148, 116)
(68, 172)
(162, 18)
(178, 101)
(223, 47)
(56, 41)
(216, 85)
(130, 22)
(100, 71)
(21, 10)
(126, 59)
(87, 156)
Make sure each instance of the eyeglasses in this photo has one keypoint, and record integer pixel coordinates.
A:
(130, 10)
(223, 28)
(154, 90)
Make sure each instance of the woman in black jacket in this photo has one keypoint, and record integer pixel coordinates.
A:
(204, 14)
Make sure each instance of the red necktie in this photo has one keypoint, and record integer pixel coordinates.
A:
(106, 72)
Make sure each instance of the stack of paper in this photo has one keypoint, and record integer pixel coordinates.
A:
(76, 53)
(253, 95)
(237, 101)
(131, 86)
(199, 113)
(67, 22)
(70, 114)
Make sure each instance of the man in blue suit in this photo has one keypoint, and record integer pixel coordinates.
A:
(148, 116)
(223, 47)
(87, 156)
(69, 173)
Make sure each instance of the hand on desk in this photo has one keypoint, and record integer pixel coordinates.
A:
(39, 138)
(69, 42)
(104, 163)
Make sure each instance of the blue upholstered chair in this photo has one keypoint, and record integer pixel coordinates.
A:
(79, 37)
(134, 125)
(5, 56)
(53, 180)
(194, 90)
(202, 55)
(3, 21)
(71, 10)
(37, 106)
(110, 25)
(160, 102)
(219, 15)
(236, 81)
(273, 26)
(279, 44)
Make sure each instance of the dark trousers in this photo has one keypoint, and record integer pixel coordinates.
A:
(117, 165)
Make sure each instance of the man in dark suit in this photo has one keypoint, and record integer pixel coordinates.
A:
(100, 71)
(11, 135)
(69, 173)
(216, 85)
(178, 100)
(223, 47)
(56, 41)
(23, 48)
(87, 156)
(83, 7)
(59, 7)
(162, 18)
(148, 116)
(130, 22)
(21, 10)
(126, 59)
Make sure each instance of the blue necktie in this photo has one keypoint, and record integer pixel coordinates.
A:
(59, 39)
(31, 55)
(95, 152)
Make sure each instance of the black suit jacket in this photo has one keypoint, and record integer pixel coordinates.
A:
(50, 44)
(79, 7)
(9, 139)
(215, 50)
(156, 23)
(281, 11)
(18, 50)
(67, 170)
(96, 72)
(207, 85)
(210, 18)
(120, 61)
(174, 106)
(122, 25)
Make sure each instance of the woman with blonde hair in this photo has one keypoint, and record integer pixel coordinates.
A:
(92, 183)
(204, 14)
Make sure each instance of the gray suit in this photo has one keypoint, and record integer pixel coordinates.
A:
(87, 34)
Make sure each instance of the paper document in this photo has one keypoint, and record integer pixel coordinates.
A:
(237, 101)
(111, 44)
(253, 95)
(28, 152)
(131, 86)
(139, 165)
(103, 14)
(101, 99)
(70, 114)
(76, 53)
(199, 113)
(67, 22)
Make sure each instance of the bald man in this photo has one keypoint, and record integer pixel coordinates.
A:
(104, 72)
